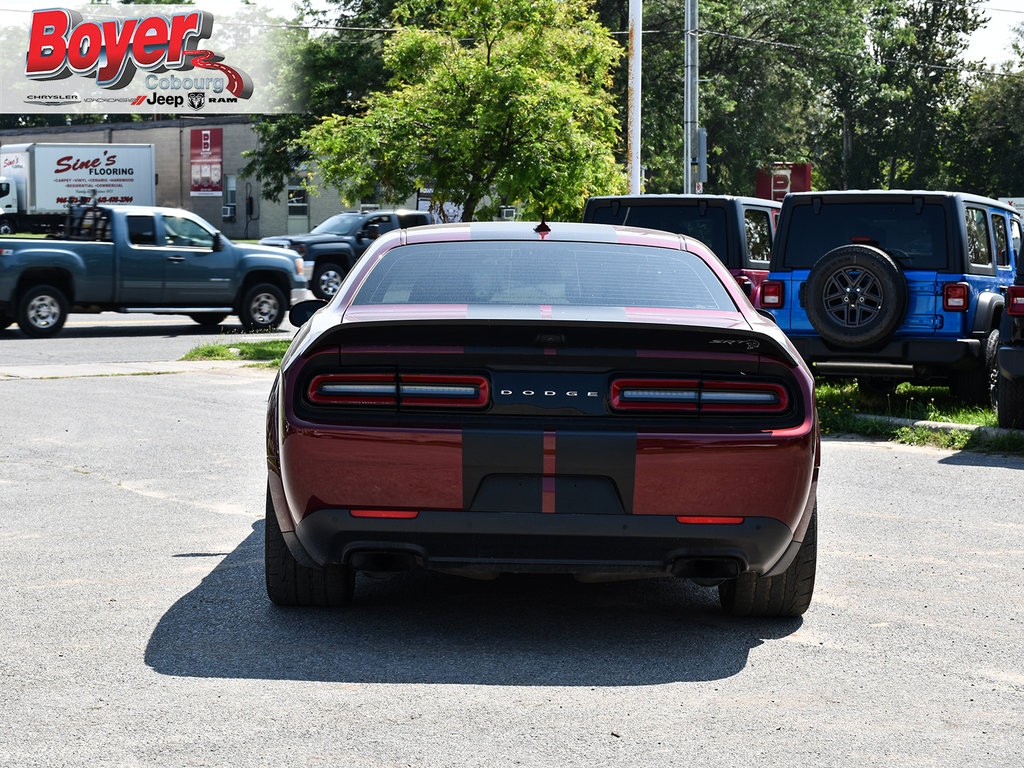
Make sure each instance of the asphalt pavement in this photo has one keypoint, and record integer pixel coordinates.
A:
(135, 630)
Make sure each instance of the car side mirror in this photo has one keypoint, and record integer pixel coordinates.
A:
(372, 231)
(218, 241)
(299, 314)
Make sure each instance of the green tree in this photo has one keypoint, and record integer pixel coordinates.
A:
(901, 130)
(991, 146)
(499, 102)
(334, 71)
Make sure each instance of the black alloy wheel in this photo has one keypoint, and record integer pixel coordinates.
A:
(856, 296)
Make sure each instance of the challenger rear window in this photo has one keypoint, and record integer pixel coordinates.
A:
(915, 235)
(708, 226)
(545, 273)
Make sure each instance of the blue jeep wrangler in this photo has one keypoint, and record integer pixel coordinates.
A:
(891, 286)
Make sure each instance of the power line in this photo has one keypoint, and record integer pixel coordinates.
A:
(863, 57)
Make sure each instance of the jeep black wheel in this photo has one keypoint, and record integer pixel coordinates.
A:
(326, 280)
(208, 319)
(263, 307)
(290, 583)
(977, 386)
(786, 595)
(42, 311)
(856, 296)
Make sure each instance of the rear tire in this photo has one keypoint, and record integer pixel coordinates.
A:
(42, 311)
(786, 595)
(856, 296)
(263, 307)
(291, 584)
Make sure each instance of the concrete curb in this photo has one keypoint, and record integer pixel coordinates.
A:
(79, 370)
(983, 434)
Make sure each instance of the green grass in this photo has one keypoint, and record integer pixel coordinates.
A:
(264, 353)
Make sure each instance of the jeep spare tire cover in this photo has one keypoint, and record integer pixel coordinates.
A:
(856, 296)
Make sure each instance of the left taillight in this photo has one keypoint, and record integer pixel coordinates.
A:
(773, 294)
(956, 297)
(354, 389)
(695, 395)
(403, 390)
(440, 391)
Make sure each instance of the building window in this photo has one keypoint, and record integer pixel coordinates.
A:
(230, 184)
(298, 198)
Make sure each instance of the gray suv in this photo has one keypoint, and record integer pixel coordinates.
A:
(330, 250)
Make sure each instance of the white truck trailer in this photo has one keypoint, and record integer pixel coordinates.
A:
(39, 181)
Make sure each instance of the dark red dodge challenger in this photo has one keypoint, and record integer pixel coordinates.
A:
(565, 398)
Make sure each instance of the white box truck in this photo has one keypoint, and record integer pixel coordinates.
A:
(39, 181)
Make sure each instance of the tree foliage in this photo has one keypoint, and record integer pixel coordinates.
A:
(497, 102)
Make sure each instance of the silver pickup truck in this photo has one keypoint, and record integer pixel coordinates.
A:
(144, 259)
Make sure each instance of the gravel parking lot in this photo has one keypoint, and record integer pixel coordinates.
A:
(135, 629)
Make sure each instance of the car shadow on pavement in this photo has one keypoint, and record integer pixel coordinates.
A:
(430, 628)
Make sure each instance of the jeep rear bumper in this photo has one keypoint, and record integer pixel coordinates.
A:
(896, 357)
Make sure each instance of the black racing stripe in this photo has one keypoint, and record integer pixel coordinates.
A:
(502, 471)
(596, 472)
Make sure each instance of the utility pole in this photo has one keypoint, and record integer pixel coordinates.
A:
(690, 101)
(636, 22)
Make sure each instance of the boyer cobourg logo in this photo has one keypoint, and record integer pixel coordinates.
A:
(113, 51)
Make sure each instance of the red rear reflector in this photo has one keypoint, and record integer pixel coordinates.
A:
(708, 520)
(397, 514)
(772, 294)
(956, 297)
(1015, 300)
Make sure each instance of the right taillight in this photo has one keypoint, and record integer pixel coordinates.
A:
(773, 294)
(1015, 300)
(693, 396)
(956, 297)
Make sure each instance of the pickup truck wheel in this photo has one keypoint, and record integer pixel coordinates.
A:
(786, 595)
(326, 280)
(6, 228)
(263, 307)
(208, 319)
(977, 386)
(1010, 403)
(290, 583)
(42, 311)
(856, 296)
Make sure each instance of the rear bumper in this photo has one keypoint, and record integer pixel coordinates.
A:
(1011, 362)
(953, 354)
(512, 542)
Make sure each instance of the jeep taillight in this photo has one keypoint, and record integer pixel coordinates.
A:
(1015, 300)
(773, 294)
(956, 297)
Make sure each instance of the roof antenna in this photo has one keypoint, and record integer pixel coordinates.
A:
(543, 227)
